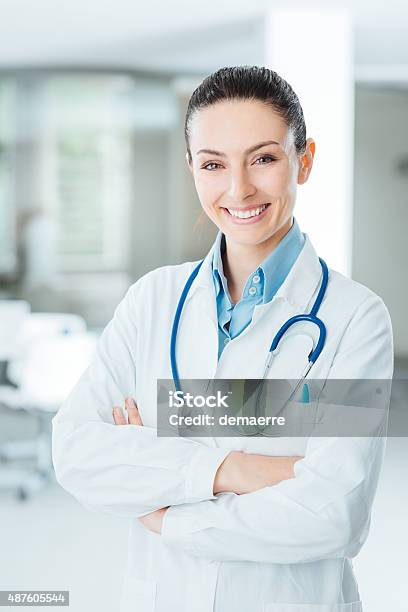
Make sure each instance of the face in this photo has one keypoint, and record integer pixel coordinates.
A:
(236, 173)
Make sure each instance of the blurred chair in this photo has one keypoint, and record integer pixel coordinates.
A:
(38, 327)
(53, 350)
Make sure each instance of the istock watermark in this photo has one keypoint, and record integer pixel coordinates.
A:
(178, 399)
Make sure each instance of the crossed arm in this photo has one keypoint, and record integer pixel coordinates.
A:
(209, 501)
(239, 472)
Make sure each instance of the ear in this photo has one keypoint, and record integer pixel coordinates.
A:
(189, 165)
(306, 161)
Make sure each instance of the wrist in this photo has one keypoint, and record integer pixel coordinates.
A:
(227, 475)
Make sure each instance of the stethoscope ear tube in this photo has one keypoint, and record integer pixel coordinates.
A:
(314, 354)
(311, 317)
(322, 290)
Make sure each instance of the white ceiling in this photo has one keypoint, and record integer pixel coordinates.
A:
(175, 35)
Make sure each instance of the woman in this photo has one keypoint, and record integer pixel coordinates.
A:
(238, 523)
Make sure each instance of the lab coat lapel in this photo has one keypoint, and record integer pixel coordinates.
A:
(197, 351)
(303, 281)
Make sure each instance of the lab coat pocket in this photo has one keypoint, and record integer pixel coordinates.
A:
(289, 417)
(138, 595)
(354, 606)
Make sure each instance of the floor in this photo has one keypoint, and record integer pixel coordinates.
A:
(52, 543)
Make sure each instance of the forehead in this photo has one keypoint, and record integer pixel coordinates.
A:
(231, 123)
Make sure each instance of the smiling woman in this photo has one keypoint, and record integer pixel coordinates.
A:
(234, 523)
(245, 180)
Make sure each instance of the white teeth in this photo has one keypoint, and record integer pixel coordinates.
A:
(249, 213)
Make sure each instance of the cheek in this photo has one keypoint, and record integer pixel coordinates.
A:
(208, 189)
(283, 180)
(277, 182)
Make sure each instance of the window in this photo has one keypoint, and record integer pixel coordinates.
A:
(91, 149)
(83, 149)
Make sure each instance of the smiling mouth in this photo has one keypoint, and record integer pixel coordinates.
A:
(247, 214)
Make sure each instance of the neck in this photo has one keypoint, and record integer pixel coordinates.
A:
(240, 260)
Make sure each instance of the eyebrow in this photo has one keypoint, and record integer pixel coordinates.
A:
(250, 150)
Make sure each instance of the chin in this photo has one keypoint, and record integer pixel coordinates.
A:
(249, 237)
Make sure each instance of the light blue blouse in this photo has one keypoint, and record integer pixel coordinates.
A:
(260, 286)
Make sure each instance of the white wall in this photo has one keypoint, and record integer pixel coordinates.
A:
(380, 233)
(318, 64)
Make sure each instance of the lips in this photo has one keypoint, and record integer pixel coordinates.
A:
(247, 213)
(246, 220)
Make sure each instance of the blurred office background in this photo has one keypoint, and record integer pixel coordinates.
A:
(94, 192)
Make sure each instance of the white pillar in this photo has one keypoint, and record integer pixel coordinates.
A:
(312, 49)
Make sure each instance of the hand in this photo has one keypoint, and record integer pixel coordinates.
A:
(132, 410)
(244, 472)
(153, 520)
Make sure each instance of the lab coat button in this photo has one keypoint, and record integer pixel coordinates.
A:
(256, 278)
(252, 290)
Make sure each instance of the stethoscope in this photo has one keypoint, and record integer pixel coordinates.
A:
(310, 317)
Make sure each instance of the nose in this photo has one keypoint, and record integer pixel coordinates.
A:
(240, 185)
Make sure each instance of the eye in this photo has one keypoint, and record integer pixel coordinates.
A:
(271, 158)
(210, 164)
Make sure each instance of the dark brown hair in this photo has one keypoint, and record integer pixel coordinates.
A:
(249, 83)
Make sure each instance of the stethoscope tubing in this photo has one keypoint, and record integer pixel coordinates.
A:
(175, 327)
(310, 317)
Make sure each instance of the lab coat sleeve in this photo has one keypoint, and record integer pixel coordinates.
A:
(124, 470)
(324, 512)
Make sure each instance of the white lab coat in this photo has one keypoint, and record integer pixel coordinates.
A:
(284, 548)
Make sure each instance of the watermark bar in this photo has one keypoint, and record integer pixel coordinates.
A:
(34, 598)
(282, 408)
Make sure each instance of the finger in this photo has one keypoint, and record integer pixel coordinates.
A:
(133, 412)
(119, 416)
